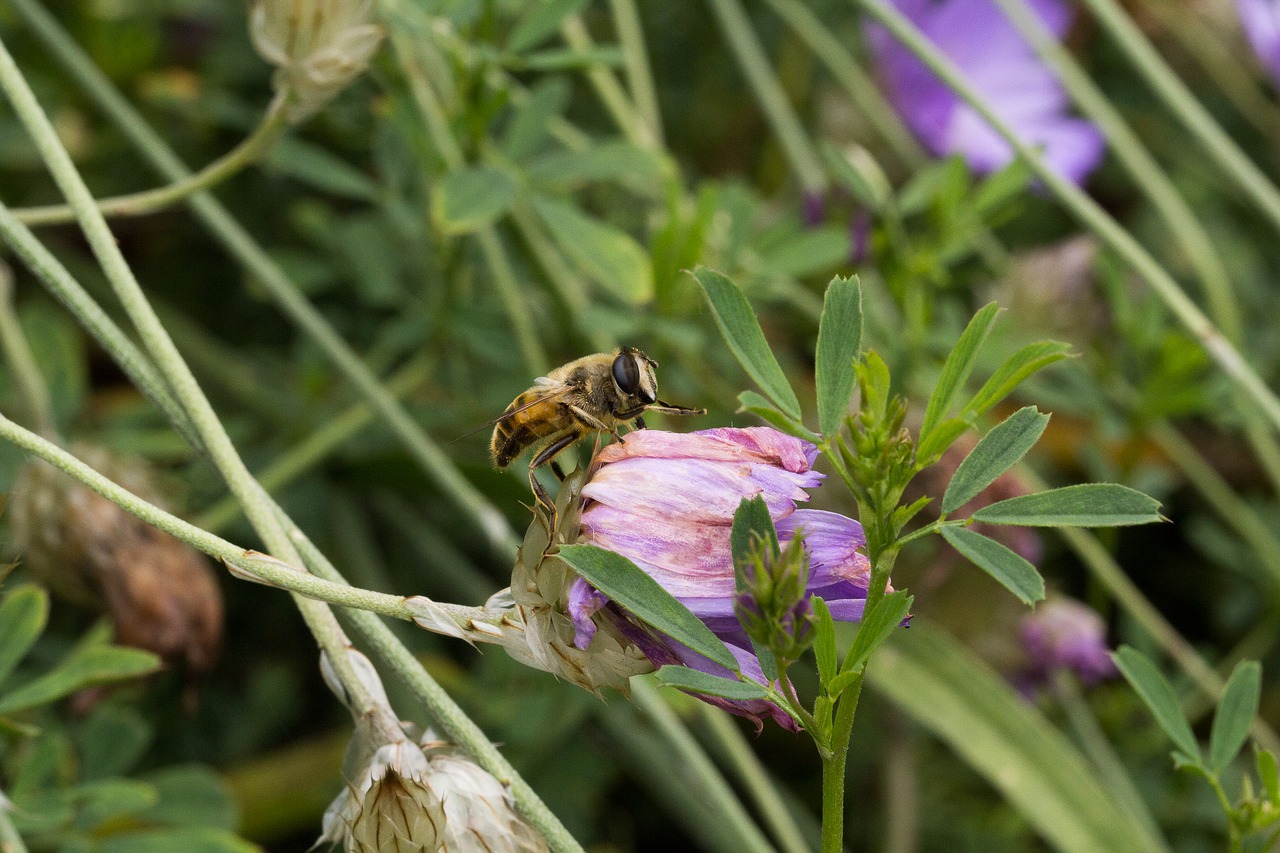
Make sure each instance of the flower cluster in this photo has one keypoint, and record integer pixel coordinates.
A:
(1003, 69)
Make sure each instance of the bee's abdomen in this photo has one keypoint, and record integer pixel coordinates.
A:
(518, 430)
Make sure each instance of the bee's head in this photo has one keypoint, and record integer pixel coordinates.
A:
(633, 374)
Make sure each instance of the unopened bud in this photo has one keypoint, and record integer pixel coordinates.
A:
(480, 811)
(773, 606)
(399, 814)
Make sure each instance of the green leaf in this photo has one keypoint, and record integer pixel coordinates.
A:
(23, 614)
(839, 339)
(191, 795)
(1029, 360)
(1159, 697)
(876, 628)
(807, 251)
(611, 258)
(824, 640)
(750, 401)
(1235, 714)
(83, 667)
(643, 597)
(109, 799)
(470, 199)
(618, 161)
(1005, 185)
(751, 523)
(695, 681)
(955, 695)
(539, 22)
(1085, 505)
(956, 370)
(998, 451)
(1269, 773)
(530, 125)
(742, 333)
(1012, 571)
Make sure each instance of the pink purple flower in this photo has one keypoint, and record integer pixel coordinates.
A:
(1063, 634)
(666, 501)
(1003, 69)
(1261, 22)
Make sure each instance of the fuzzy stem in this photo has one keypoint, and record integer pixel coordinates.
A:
(626, 20)
(770, 95)
(251, 150)
(1090, 214)
(434, 462)
(1251, 180)
(32, 389)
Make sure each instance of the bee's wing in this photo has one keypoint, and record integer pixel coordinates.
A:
(550, 390)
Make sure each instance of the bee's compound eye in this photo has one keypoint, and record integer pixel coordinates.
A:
(626, 374)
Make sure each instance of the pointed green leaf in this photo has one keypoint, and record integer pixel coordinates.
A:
(643, 597)
(751, 523)
(539, 22)
(1086, 505)
(610, 257)
(942, 437)
(873, 379)
(742, 333)
(1029, 360)
(956, 369)
(1011, 570)
(23, 614)
(1235, 714)
(1269, 773)
(1158, 695)
(824, 640)
(998, 451)
(955, 695)
(876, 628)
(839, 339)
(695, 681)
(82, 668)
(470, 199)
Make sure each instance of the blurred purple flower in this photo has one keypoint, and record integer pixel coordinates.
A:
(1063, 634)
(666, 501)
(1003, 69)
(1261, 22)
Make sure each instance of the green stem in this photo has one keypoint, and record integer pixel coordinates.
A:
(10, 840)
(248, 152)
(754, 777)
(434, 462)
(32, 389)
(609, 90)
(1090, 214)
(770, 95)
(626, 20)
(1250, 180)
(834, 769)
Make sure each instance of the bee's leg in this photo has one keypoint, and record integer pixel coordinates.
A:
(544, 456)
(639, 422)
(591, 422)
(555, 469)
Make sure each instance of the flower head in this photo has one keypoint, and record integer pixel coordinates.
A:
(666, 501)
(319, 46)
(1003, 69)
(1063, 634)
(1261, 22)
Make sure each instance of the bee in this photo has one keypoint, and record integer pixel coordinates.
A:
(595, 393)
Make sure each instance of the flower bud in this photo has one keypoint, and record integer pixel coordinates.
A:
(773, 606)
(479, 810)
(319, 47)
(160, 593)
(389, 807)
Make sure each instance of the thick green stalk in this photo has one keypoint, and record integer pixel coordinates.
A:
(434, 462)
(1221, 149)
(248, 152)
(770, 95)
(834, 769)
(1092, 215)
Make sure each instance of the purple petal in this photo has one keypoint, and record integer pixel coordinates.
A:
(1261, 22)
(831, 541)
(754, 444)
(584, 601)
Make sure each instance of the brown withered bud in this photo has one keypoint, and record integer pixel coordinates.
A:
(160, 593)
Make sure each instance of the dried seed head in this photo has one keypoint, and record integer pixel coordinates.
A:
(319, 47)
(389, 807)
(161, 594)
(480, 811)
